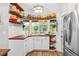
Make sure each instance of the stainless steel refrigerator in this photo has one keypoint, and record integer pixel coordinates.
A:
(71, 33)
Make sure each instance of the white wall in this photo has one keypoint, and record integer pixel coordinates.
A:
(4, 25)
(14, 30)
(59, 43)
(59, 40)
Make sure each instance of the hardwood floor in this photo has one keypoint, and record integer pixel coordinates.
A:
(45, 53)
(4, 52)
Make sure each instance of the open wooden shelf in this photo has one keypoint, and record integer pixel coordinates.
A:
(29, 16)
(18, 6)
(32, 18)
(15, 13)
(52, 42)
(18, 14)
(52, 48)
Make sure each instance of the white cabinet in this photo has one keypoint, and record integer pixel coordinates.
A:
(41, 43)
(17, 47)
(28, 45)
(22, 47)
(37, 43)
(45, 43)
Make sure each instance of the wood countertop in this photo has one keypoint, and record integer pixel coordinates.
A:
(19, 37)
(4, 52)
(22, 37)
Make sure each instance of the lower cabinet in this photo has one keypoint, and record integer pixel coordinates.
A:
(28, 45)
(22, 47)
(17, 48)
(45, 43)
(41, 43)
(37, 43)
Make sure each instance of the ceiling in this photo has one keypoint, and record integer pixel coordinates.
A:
(48, 7)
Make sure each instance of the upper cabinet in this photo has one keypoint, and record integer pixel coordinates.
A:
(17, 13)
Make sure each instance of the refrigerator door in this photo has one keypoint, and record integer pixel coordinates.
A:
(77, 12)
(68, 29)
(75, 35)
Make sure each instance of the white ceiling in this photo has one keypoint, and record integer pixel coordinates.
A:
(48, 7)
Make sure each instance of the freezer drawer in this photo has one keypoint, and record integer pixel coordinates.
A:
(69, 52)
(66, 53)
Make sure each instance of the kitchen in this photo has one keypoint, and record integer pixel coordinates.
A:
(35, 36)
(32, 29)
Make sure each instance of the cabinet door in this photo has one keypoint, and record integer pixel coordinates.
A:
(26, 46)
(30, 43)
(37, 43)
(45, 43)
(17, 47)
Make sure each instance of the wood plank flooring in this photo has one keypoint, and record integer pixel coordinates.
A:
(4, 52)
(45, 53)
